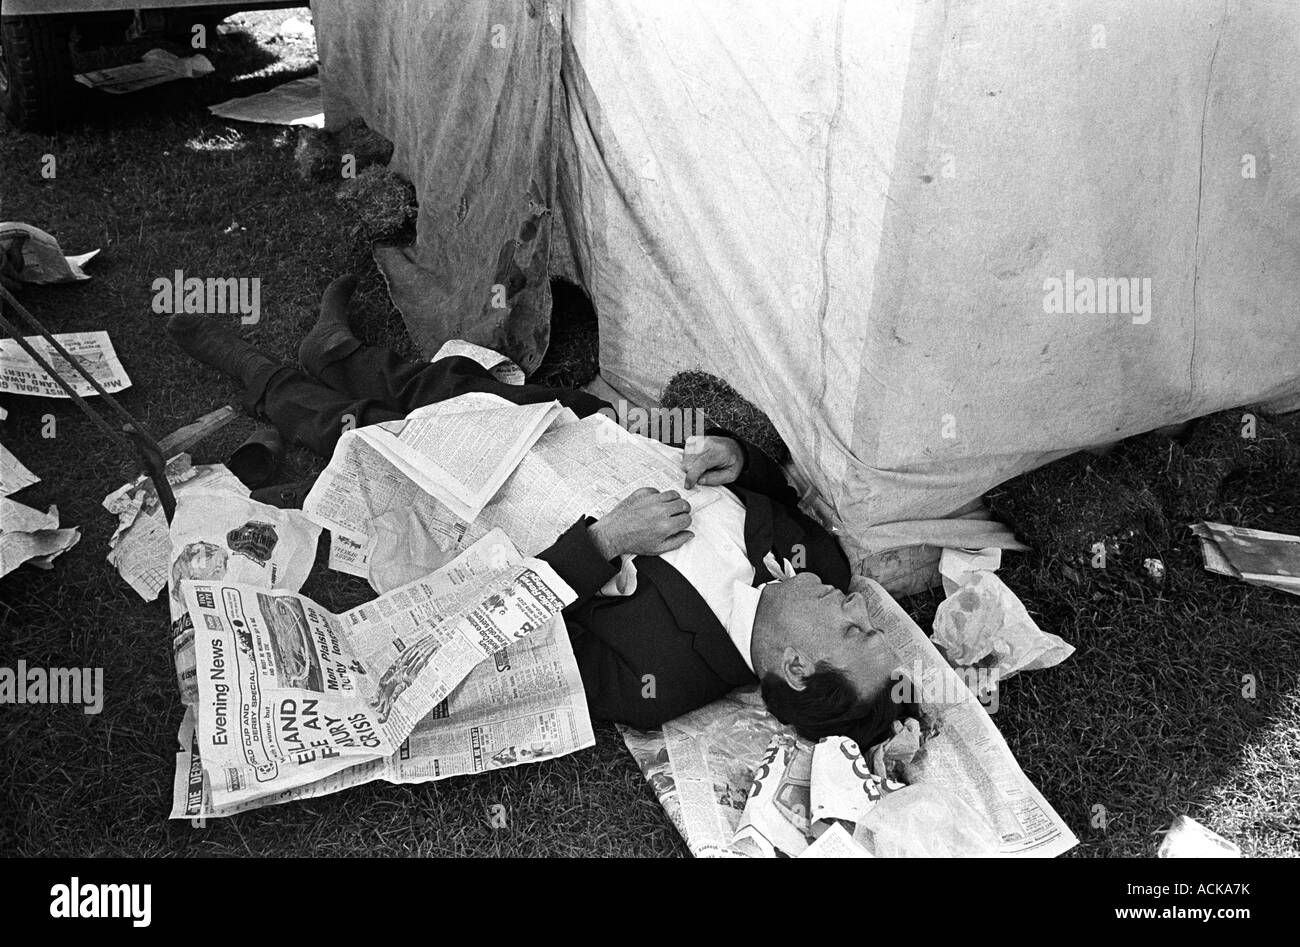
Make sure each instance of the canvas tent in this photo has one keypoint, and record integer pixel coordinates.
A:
(856, 212)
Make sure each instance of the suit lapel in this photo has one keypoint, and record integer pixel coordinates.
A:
(693, 614)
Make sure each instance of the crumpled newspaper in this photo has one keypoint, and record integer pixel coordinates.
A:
(30, 536)
(983, 624)
(43, 261)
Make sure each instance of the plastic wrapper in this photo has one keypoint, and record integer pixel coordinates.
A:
(983, 624)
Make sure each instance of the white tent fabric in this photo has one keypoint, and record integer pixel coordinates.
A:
(855, 212)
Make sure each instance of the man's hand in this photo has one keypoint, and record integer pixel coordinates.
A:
(712, 461)
(645, 523)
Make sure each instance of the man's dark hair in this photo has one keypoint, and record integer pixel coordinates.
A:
(829, 705)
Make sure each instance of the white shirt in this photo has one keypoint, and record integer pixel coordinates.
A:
(715, 564)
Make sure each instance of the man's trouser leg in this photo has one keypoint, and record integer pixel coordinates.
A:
(376, 373)
(309, 413)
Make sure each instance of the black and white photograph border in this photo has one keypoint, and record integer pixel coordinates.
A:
(751, 429)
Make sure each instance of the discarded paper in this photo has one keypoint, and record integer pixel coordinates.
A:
(30, 536)
(20, 375)
(43, 260)
(218, 534)
(1252, 555)
(290, 693)
(13, 475)
(156, 67)
(293, 103)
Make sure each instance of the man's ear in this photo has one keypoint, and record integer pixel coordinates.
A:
(796, 668)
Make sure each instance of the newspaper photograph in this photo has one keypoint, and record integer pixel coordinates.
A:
(220, 534)
(20, 375)
(290, 692)
(524, 705)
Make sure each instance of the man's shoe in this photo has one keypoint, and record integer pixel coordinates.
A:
(207, 340)
(329, 339)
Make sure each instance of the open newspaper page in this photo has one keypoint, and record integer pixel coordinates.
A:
(576, 468)
(736, 748)
(20, 375)
(523, 705)
(289, 692)
(461, 451)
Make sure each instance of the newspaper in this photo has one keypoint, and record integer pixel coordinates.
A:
(217, 533)
(44, 261)
(348, 554)
(290, 693)
(501, 367)
(156, 67)
(13, 475)
(140, 548)
(835, 842)
(291, 103)
(459, 451)
(524, 705)
(576, 468)
(20, 375)
(28, 535)
(1255, 556)
(701, 765)
(726, 744)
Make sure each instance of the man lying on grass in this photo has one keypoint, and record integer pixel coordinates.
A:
(697, 615)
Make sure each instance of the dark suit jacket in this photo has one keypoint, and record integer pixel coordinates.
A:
(661, 652)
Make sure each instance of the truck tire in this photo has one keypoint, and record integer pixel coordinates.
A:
(36, 84)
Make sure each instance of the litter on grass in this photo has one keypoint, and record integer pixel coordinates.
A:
(43, 261)
(155, 67)
(293, 103)
(20, 375)
(13, 475)
(983, 624)
(1187, 838)
(1252, 555)
(140, 548)
(28, 535)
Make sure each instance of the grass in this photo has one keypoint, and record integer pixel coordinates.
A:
(1146, 719)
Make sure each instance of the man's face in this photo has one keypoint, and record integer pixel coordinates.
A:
(825, 624)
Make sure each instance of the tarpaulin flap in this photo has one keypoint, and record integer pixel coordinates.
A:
(464, 91)
(937, 242)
